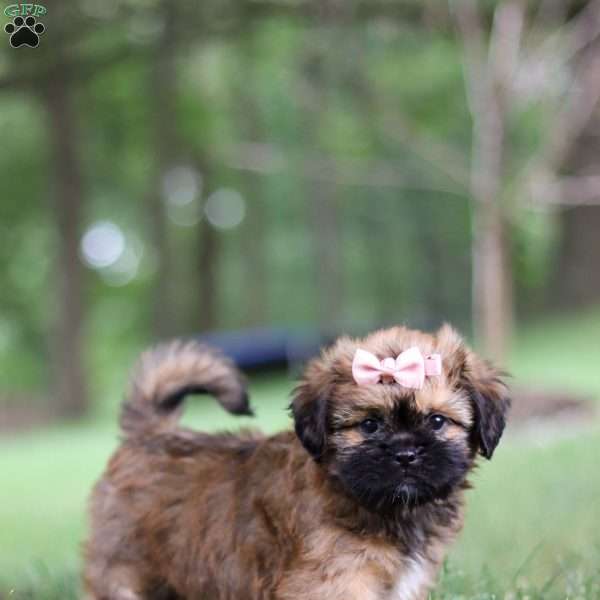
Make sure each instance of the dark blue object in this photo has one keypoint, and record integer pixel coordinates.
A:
(267, 349)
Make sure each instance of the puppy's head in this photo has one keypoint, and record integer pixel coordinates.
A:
(391, 445)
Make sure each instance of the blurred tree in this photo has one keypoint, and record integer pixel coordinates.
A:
(71, 391)
(208, 263)
(576, 277)
(576, 281)
(488, 71)
(320, 67)
(68, 355)
(254, 226)
(346, 129)
(492, 77)
(162, 92)
(565, 175)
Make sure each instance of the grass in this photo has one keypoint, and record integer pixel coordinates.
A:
(533, 520)
(570, 583)
(562, 352)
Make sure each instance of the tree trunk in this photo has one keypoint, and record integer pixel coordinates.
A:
(489, 67)
(69, 371)
(492, 277)
(576, 278)
(163, 92)
(254, 227)
(325, 224)
(253, 245)
(492, 280)
(208, 269)
(324, 214)
(324, 219)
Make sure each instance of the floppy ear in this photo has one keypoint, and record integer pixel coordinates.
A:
(489, 396)
(484, 386)
(309, 409)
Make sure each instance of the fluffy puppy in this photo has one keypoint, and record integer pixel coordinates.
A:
(360, 503)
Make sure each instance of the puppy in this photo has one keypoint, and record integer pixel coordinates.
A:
(360, 503)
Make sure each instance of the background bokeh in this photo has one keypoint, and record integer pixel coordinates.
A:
(173, 168)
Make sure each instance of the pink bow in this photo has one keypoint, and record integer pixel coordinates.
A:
(409, 368)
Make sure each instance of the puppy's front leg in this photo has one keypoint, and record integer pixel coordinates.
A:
(414, 581)
(331, 584)
(119, 594)
(113, 583)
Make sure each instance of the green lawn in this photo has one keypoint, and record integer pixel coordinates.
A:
(533, 518)
(563, 352)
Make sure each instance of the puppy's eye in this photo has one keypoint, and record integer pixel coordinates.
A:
(369, 426)
(437, 422)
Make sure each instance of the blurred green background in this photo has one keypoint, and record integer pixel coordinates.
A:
(175, 168)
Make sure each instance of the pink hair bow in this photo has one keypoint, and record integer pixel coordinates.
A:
(409, 368)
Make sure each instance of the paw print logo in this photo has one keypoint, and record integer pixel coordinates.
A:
(24, 32)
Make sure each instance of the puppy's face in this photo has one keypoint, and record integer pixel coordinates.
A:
(389, 445)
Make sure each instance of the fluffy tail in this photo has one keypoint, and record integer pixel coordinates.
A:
(165, 374)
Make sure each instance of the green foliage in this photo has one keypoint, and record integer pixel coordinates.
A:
(25, 268)
(305, 93)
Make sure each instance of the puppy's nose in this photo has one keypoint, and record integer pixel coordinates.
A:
(406, 456)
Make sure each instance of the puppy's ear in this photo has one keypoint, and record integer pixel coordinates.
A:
(309, 409)
(491, 404)
(483, 384)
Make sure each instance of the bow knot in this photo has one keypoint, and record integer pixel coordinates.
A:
(408, 369)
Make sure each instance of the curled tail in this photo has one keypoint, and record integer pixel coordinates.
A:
(164, 375)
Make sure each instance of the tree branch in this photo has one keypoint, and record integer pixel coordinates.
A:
(268, 159)
(470, 29)
(574, 36)
(442, 156)
(566, 191)
(80, 69)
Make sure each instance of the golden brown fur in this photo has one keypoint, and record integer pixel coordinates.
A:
(185, 515)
